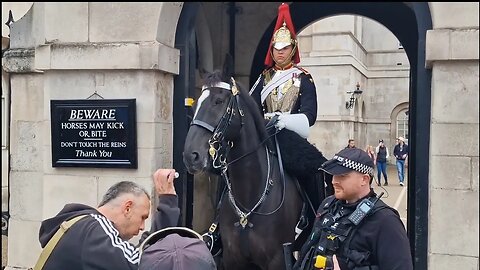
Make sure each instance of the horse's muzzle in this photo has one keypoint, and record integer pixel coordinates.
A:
(194, 163)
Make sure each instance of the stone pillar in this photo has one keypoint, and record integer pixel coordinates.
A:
(50, 61)
(26, 155)
(452, 53)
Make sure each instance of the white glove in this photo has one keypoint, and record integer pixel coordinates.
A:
(280, 124)
(295, 122)
(269, 115)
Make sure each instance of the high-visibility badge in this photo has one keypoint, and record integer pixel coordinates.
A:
(189, 102)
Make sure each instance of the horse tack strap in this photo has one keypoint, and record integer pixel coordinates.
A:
(54, 240)
(203, 124)
(243, 215)
(214, 226)
(222, 85)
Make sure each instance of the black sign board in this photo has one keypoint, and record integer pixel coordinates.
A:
(99, 133)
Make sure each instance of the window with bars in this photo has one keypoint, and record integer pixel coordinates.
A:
(402, 124)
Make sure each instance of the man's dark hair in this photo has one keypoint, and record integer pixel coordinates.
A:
(123, 187)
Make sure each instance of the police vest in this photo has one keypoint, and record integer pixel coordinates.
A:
(332, 233)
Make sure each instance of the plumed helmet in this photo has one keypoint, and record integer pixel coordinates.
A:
(283, 35)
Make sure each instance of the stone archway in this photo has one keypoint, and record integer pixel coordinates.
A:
(409, 22)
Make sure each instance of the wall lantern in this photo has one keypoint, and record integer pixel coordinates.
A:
(353, 98)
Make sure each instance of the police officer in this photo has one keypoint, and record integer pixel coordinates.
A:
(355, 224)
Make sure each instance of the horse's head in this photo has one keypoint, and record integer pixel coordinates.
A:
(215, 126)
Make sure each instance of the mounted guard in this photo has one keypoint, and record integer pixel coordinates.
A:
(286, 94)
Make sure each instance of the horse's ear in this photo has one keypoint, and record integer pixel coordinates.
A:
(227, 67)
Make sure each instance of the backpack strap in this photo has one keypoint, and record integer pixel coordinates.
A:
(355, 258)
(212, 236)
(54, 240)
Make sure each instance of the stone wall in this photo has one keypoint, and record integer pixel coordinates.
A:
(98, 54)
(452, 53)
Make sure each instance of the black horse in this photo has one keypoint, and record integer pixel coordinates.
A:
(262, 205)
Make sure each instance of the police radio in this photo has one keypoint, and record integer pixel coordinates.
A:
(363, 208)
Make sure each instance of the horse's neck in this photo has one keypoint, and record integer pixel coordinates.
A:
(249, 173)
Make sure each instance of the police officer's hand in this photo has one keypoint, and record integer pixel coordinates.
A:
(163, 180)
(336, 265)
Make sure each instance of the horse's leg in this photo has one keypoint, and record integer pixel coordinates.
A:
(278, 262)
(232, 262)
(219, 262)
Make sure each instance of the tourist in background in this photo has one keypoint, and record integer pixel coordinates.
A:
(371, 153)
(382, 156)
(401, 153)
(351, 143)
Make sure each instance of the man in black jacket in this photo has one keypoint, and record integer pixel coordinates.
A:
(401, 153)
(99, 240)
(354, 229)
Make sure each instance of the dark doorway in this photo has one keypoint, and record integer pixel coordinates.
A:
(409, 22)
(184, 86)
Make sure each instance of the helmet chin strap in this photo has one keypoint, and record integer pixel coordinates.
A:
(289, 58)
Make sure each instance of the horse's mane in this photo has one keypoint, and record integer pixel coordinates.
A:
(251, 106)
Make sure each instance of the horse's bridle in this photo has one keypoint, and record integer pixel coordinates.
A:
(218, 151)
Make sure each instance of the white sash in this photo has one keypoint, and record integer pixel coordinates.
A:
(278, 79)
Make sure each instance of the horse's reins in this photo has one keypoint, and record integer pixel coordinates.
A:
(218, 138)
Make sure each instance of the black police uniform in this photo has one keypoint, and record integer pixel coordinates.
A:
(378, 242)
